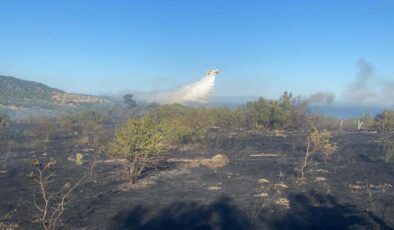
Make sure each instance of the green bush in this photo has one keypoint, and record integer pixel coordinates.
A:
(284, 113)
(137, 140)
(384, 121)
(182, 125)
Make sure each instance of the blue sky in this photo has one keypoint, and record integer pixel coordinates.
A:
(262, 47)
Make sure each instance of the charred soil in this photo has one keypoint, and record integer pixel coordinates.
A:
(257, 187)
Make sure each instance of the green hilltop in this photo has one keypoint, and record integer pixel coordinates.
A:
(17, 92)
(22, 95)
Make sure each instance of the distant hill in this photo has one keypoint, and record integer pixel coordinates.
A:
(18, 92)
(18, 95)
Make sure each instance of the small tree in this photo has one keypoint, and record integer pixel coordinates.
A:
(99, 144)
(4, 128)
(129, 101)
(137, 140)
(51, 204)
(4, 122)
(384, 121)
(317, 142)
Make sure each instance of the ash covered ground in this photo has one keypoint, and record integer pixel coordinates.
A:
(258, 188)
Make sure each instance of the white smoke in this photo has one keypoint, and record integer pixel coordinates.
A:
(198, 91)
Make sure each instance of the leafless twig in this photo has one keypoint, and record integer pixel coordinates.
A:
(52, 204)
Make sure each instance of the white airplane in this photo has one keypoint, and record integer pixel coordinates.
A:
(213, 72)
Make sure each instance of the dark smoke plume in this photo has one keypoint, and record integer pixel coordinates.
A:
(359, 90)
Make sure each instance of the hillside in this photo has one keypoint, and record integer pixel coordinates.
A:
(18, 94)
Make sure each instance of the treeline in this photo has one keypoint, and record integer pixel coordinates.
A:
(181, 124)
(178, 124)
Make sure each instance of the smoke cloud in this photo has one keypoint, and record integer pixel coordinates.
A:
(320, 98)
(388, 92)
(367, 89)
(359, 90)
(195, 92)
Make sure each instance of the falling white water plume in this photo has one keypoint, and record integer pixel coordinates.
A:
(198, 91)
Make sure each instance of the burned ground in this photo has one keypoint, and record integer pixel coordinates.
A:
(258, 189)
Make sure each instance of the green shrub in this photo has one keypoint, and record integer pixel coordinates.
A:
(384, 121)
(137, 140)
(182, 125)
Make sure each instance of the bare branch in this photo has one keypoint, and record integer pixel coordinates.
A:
(53, 204)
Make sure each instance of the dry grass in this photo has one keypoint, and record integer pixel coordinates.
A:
(214, 188)
(218, 161)
(263, 195)
(320, 179)
(215, 162)
(280, 186)
(263, 181)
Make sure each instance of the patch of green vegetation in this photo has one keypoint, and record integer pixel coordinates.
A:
(384, 121)
(17, 92)
(137, 140)
(183, 125)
